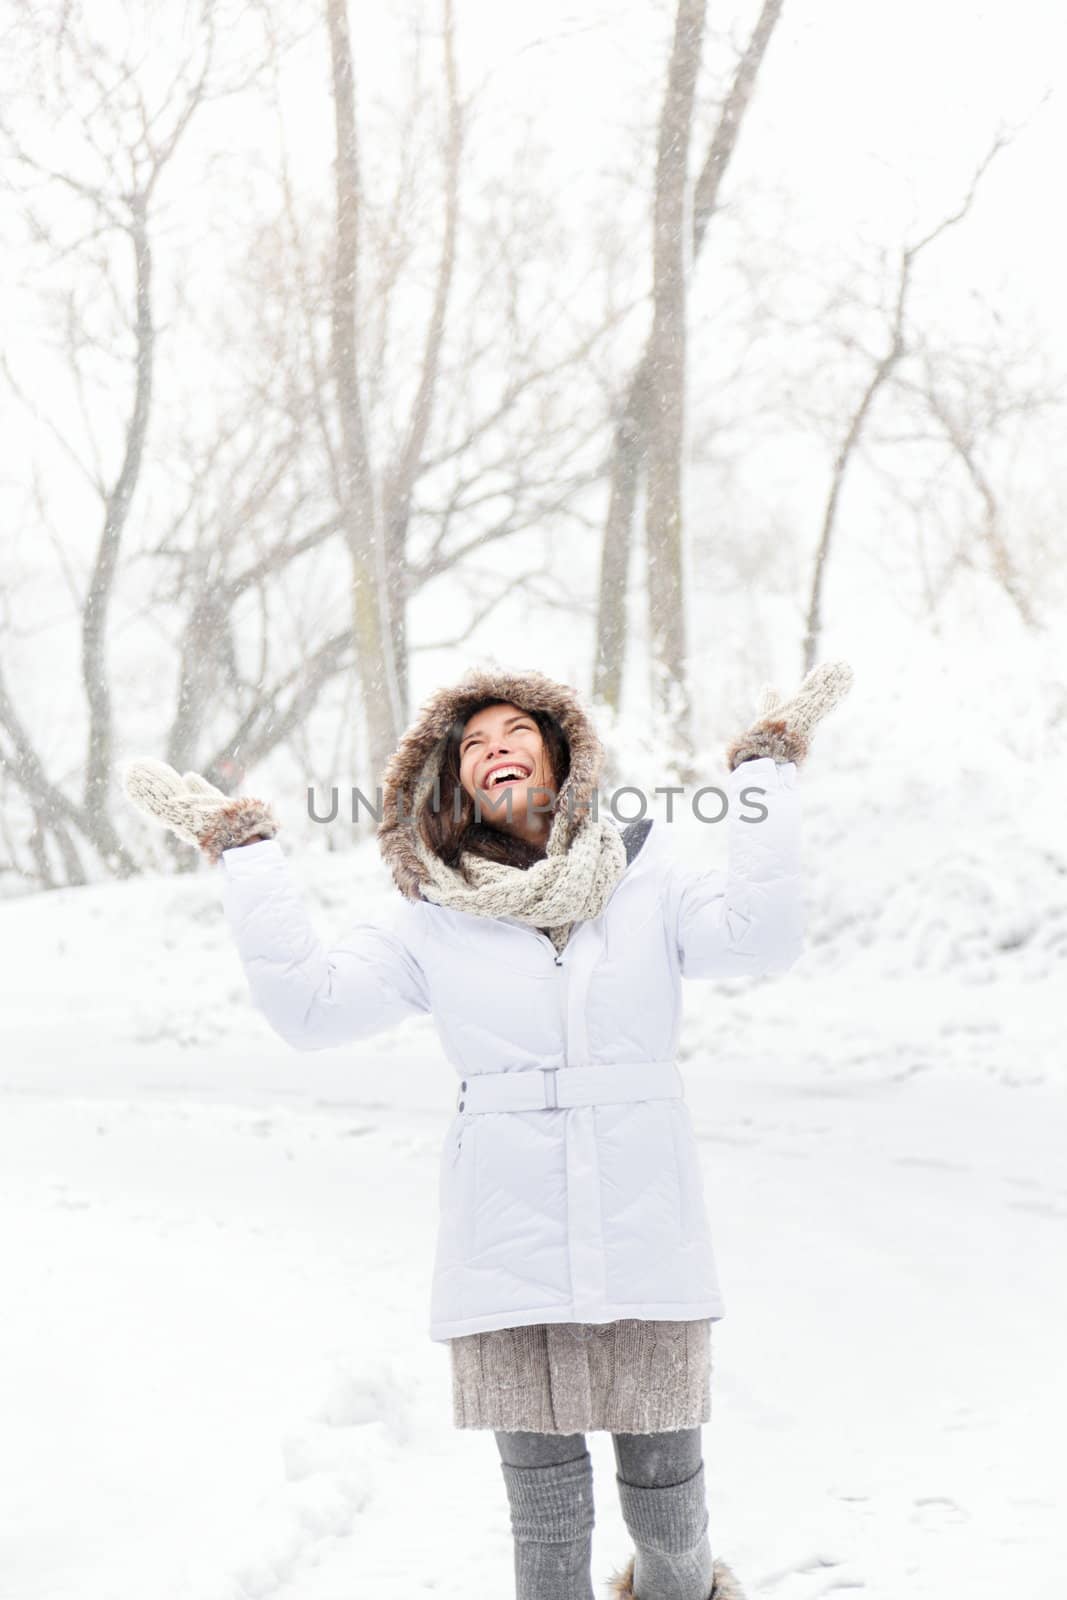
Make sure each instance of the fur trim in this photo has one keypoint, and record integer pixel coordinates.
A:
(235, 824)
(410, 772)
(724, 1584)
(771, 737)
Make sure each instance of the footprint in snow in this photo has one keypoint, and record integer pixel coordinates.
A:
(1054, 1207)
(816, 1562)
(937, 1511)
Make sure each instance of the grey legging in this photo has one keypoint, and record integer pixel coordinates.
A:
(660, 1479)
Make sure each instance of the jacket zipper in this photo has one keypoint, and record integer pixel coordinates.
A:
(563, 968)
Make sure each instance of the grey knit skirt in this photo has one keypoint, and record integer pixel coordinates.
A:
(632, 1376)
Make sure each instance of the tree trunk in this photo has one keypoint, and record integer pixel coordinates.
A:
(849, 445)
(98, 824)
(401, 481)
(615, 552)
(361, 516)
(667, 373)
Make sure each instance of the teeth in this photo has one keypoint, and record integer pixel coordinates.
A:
(506, 772)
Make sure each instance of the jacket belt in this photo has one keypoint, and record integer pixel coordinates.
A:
(541, 1088)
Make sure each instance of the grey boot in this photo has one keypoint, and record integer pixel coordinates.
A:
(724, 1584)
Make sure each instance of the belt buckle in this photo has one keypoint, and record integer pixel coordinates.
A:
(551, 1105)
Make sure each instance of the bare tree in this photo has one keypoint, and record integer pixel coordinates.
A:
(967, 413)
(971, 408)
(258, 501)
(881, 369)
(130, 145)
(634, 410)
(484, 473)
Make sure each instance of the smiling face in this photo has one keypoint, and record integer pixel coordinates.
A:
(506, 770)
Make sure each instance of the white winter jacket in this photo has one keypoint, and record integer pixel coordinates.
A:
(570, 1179)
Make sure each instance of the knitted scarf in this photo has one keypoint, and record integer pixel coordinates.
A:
(570, 885)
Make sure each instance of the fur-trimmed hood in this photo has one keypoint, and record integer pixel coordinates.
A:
(408, 780)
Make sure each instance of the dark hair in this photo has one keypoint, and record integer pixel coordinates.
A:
(450, 827)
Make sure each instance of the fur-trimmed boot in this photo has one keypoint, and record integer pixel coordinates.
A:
(724, 1585)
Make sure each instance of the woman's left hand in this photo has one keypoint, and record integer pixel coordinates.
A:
(783, 728)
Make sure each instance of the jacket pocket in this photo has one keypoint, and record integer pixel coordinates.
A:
(456, 1192)
(459, 1134)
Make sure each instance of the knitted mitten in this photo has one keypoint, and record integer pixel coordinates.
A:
(194, 809)
(783, 728)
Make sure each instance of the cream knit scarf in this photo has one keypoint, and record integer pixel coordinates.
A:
(569, 885)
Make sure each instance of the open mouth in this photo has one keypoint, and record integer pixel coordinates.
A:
(513, 773)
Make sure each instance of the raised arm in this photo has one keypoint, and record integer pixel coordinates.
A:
(749, 918)
(314, 997)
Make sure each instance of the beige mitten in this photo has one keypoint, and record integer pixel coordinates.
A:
(783, 728)
(194, 809)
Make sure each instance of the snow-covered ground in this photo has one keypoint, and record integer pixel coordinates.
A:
(216, 1380)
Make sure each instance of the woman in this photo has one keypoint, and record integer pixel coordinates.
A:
(574, 1278)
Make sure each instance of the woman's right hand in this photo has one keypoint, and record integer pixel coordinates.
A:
(194, 809)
